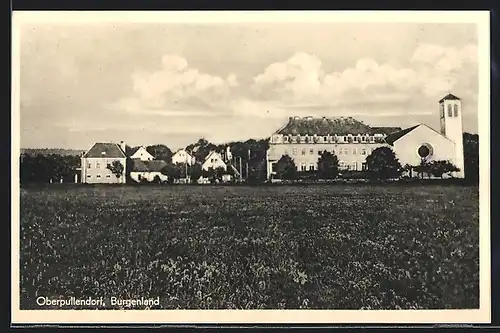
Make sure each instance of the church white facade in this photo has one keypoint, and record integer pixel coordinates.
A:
(352, 141)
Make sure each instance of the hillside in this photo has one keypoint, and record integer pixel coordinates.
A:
(48, 151)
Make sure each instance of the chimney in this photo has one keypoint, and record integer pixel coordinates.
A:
(123, 146)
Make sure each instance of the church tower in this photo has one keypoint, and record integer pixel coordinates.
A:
(450, 108)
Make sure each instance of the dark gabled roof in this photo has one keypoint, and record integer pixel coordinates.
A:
(331, 126)
(155, 165)
(105, 150)
(147, 166)
(390, 139)
(134, 150)
(384, 129)
(449, 97)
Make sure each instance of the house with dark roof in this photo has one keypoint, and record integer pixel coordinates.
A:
(97, 162)
(304, 139)
(147, 170)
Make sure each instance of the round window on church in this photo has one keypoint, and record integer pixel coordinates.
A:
(425, 150)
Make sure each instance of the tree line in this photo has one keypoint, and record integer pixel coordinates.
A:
(251, 155)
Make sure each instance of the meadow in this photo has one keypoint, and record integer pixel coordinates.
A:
(260, 247)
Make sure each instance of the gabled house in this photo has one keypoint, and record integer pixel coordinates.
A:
(142, 154)
(213, 160)
(148, 170)
(182, 156)
(96, 163)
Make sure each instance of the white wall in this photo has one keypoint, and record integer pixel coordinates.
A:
(406, 148)
(143, 155)
(150, 176)
(98, 173)
(214, 161)
(182, 157)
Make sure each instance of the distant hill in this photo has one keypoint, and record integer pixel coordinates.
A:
(48, 151)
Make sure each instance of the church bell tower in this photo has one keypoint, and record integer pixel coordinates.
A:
(450, 112)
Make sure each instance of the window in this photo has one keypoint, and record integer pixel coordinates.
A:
(212, 160)
(346, 151)
(372, 139)
(273, 167)
(108, 176)
(303, 167)
(97, 165)
(89, 176)
(363, 151)
(340, 151)
(311, 151)
(286, 139)
(449, 111)
(363, 139)
(311, 167)
(98, 176)
(344, 138)
(294, 151)
(355, 139)
(442, 110)
(363, 166)
(325, 138)
(354, 151)
(455, 110)
(88, 165)
(303, 151)
(320, 151)
(354, 166)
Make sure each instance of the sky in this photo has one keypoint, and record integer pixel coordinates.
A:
(152, 83)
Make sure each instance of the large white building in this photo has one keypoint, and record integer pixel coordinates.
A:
(352, 141)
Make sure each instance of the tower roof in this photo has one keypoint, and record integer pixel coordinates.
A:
(449, 97)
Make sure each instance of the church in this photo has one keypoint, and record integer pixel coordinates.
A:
(304, 139)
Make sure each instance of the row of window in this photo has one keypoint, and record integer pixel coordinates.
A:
(452, 110)
(343, 165)
(97, 165)
(330, 139)
(98, 176)
(335, 151)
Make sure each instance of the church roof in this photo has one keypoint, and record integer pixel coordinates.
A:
(390, 139)
(449, 97)
(331, 126)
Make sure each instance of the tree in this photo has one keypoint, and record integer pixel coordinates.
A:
(219, 172)
(383, 164)
(157, 179)
(116, 168)
(422, 168)
(172, 171)
(471, 157)
(285, 168)
(408, 169)
(210, 174)
(328, 165)
(439, 168)
(200, 149)
(195, 172)
(160, 152)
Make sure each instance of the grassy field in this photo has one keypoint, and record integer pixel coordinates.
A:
(212, 247)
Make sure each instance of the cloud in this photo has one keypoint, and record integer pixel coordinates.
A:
(175, 86)
(431, 71)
